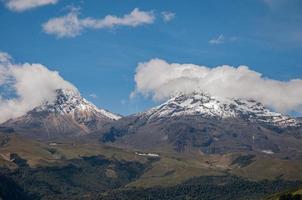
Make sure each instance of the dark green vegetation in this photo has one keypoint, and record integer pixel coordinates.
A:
(209, 188)
(293, 194)
(86, 176)
(80, 169)
(11, 190)
(244, 160)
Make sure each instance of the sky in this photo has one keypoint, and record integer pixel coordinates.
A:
(99, 46)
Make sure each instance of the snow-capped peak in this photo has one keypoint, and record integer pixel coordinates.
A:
(69, 102)
(209, 106)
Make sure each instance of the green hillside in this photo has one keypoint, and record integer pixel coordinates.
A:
(81, 169)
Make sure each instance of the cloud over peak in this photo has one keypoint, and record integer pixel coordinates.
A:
(32, 84)
(71, 25)
(22, 5)
(161, 80)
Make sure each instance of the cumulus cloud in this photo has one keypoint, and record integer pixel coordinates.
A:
(71, 25)
(22, 5)
(32, 84)
(161, 80)
(167, 16)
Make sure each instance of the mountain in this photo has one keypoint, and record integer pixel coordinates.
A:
(208, 124)
(220, 108)
(190, 147)
(68, 115)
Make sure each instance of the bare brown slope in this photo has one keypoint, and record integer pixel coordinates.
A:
(69, 115)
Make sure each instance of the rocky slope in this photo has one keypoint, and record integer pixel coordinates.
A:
(210, 125)
(69, 115)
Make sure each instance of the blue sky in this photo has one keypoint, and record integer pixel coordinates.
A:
(265, 35)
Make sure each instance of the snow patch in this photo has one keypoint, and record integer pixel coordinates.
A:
(147, 154)
(267, 151)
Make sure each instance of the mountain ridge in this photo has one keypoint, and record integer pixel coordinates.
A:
(203, 123)
(211, 106)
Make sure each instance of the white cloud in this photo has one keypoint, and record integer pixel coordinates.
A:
(22, 5)
(4, 57)
(219, 40)
(94, 96)
(71, 25)
(32, 84)
(167, 16)
(161, 80)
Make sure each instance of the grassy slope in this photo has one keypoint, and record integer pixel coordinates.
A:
(269, 167)
(291, 192)
(44, 154)
(170, 170)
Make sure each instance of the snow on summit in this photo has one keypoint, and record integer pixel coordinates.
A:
(68, 101)
(211, 106)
